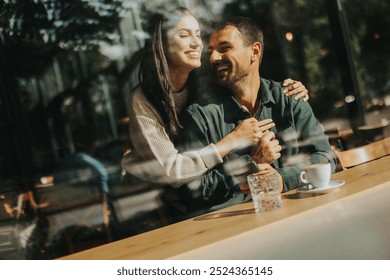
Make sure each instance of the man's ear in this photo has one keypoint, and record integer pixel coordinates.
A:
(257, 50)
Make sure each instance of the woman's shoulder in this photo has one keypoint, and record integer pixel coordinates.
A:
(138, 98)
(137, 93)
(139, 105)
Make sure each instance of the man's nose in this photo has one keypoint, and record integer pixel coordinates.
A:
(215, 56)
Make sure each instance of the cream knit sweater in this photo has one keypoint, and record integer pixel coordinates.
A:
(154, 157)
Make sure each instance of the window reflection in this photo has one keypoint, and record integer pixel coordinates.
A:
(70, 63)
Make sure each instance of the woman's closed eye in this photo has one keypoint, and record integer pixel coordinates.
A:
(184, 35)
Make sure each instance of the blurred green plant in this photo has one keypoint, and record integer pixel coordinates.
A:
(33, 31)
(368, 24)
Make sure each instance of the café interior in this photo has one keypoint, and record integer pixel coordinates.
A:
(66, 71)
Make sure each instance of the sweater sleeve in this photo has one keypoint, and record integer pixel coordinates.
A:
(154, 157)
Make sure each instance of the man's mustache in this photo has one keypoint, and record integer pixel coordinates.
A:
(220, 62)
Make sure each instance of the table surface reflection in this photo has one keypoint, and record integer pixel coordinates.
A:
(210, 229)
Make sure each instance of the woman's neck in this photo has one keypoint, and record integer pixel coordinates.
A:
(178, 79)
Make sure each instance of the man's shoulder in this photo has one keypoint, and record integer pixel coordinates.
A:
(275, 91)
(203, 112)
(207, 104)
(271, 84)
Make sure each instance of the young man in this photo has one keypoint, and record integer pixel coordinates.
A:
(235, 52)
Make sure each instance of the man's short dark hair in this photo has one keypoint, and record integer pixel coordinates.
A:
(250, 30)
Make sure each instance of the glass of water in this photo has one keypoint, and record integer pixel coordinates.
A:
(265, 191)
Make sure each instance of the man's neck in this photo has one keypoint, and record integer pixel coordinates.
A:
(246, 93)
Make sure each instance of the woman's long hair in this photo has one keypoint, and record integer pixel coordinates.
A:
(154, 71)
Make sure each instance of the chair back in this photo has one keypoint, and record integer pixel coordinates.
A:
(335, 139)
(78, 212)
(371, 133)
(366, 153)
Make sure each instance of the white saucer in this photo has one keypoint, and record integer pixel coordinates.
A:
(333, 184)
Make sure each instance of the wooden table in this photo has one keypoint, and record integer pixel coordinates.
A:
(235, 223)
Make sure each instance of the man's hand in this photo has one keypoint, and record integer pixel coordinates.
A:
(267, 149)
(296, 88)
(245, 188)
(264, 169)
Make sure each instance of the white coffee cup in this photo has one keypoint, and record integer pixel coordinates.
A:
(318, 175)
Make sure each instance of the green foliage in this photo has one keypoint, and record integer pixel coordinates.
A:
(368, 24)
(33, 31)
(369, 28)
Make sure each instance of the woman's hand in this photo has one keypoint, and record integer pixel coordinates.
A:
(292, 87)
(247, 133)
(250, 131)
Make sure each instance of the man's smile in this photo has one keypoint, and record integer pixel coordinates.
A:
(221, 69)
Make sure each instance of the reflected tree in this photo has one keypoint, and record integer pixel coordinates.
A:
(33, 34)
(369, 25)
(33, 31)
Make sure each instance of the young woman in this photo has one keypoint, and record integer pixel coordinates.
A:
(170, 56)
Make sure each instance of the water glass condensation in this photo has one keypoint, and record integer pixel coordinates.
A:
(265, 191)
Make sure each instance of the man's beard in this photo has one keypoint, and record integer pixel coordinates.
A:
(231, 80)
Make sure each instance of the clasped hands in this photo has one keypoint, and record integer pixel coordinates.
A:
(265, 147)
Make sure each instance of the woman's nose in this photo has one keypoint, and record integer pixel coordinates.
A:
(196, 42)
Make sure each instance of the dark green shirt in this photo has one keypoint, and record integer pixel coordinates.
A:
(299, 132)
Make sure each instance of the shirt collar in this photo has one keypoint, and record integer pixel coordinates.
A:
(264, 93)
